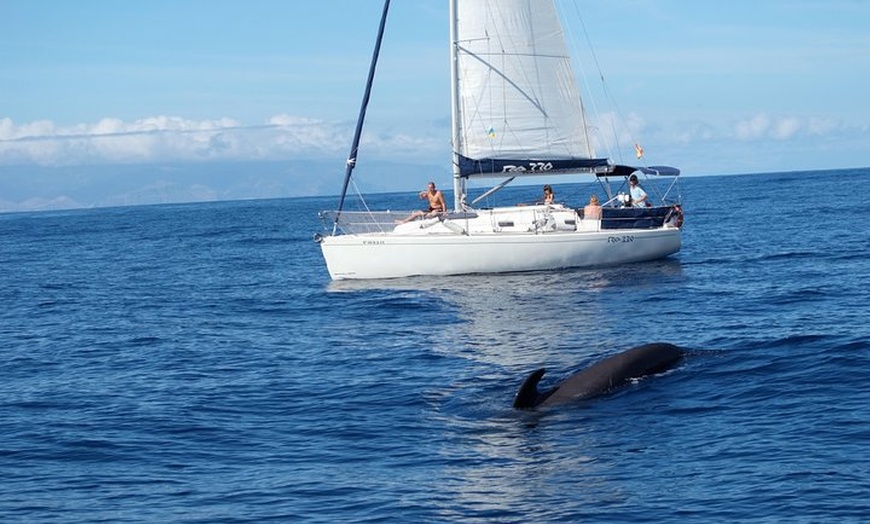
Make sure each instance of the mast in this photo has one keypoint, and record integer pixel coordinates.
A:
(458, 181)
(351, 159)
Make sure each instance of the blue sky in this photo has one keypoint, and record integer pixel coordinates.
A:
(711, 87)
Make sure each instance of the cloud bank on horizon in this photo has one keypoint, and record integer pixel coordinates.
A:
(285, 137)
(173, 139)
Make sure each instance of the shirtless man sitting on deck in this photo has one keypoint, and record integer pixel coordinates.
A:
(437, 205)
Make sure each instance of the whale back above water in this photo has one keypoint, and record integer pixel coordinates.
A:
(600, 378)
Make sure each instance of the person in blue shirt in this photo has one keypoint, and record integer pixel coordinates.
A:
(638, 195)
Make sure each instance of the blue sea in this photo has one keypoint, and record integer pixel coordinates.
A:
(194, 364)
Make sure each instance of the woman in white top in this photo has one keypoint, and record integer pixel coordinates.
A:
(549, 196)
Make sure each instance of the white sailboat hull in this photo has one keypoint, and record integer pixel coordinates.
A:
(448, 252)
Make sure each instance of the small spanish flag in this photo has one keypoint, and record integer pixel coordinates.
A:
(638, 150)
(490, 132)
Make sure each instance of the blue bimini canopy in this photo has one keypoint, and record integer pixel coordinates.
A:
(620, 170)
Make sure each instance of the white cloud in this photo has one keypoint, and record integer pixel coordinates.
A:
(613, 133)
(283, 137)
(786, 128)
(290, 120)
(753, 128)
(781, 128)
(691, 132)
(821, 126)
(169, 138)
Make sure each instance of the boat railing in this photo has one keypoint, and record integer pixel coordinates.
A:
(371, 222)
(363, 222)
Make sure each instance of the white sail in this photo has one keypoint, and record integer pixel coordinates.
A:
(518, 94)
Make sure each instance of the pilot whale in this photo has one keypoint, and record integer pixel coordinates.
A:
(600, 378)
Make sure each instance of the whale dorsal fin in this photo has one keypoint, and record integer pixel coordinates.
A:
(527, 395)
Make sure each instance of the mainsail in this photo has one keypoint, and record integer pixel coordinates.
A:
(519, 106)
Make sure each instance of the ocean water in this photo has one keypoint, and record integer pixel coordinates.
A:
(193, 363)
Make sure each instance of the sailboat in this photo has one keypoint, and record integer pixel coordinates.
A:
(516, 113)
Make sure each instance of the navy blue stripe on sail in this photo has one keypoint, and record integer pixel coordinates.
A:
(494, 167)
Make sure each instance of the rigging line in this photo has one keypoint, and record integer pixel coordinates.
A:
(608, 95)
(587, 88)
(585, 94)
(365, 205)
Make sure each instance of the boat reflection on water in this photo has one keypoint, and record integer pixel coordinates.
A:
(524, 319)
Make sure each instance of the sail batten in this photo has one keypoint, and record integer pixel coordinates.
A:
(519, 103)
